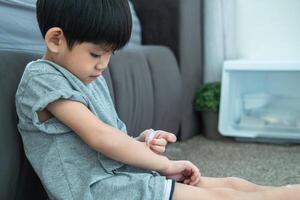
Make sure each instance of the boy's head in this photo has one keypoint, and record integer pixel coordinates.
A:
(104, 22)
(81, 35)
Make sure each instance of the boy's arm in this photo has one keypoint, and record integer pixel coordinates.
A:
(104, 138)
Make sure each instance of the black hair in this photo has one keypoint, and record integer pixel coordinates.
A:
(103, 22)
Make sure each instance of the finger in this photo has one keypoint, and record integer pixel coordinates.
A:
(177, 177)
(187, 172)
(158, 149)
(149, 137)
(159, 142)
(195, 178)
(186, 181)
(191, 180)
(191, 173)
(196, 181)
(170, 137)
(194, 168)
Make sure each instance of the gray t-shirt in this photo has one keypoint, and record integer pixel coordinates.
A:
(68, 168)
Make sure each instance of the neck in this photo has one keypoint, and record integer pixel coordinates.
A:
(48, 56)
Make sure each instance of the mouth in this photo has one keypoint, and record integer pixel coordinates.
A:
(95, 76)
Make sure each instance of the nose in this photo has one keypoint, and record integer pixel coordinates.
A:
(100, 66)
(103, 62)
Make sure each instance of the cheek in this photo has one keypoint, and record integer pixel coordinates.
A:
(106, 60)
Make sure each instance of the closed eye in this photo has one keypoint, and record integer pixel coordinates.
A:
(95, 55)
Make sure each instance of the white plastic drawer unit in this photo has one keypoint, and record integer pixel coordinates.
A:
(261, 100)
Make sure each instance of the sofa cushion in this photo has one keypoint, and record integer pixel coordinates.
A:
(147, 88)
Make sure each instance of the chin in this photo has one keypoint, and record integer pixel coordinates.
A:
(88, 81)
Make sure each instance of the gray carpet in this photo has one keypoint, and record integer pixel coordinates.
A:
(267, 164)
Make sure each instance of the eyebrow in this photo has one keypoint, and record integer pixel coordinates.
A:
(102, 51)
(96, 48)
(103, 48)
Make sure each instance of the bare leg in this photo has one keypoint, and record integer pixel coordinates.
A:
(231, 183)
(186, 192)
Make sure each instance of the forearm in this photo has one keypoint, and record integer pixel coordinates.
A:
(104, 138)
(120, 147)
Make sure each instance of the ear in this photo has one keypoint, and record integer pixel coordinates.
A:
(55, 39)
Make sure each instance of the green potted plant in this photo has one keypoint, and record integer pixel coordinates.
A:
(207, 102)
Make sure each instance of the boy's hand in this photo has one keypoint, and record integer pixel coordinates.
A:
(183, 171)
(157, 140)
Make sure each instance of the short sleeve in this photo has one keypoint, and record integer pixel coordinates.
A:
(41, 90)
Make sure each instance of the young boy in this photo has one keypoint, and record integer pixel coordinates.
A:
(71, 132)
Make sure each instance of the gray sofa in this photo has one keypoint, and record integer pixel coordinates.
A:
(146, 88)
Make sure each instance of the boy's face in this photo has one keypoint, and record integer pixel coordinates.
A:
(86, 61)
